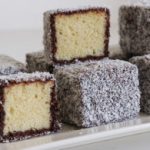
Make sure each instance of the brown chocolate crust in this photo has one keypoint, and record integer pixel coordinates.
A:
(11, 83)
(54, 110)
(107, 33)
(81, 11)
(2, 112)
(17, 136)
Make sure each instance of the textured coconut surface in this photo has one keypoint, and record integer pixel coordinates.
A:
(143, 64)
(98, 92)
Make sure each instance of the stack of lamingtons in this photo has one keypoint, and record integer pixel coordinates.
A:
(91, 88)
(135, 42)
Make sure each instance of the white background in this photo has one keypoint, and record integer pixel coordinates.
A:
(21, 22)
(27, 14)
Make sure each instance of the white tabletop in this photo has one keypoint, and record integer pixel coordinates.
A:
(129, 134)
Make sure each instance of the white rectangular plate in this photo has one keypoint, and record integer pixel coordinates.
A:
(71, 136)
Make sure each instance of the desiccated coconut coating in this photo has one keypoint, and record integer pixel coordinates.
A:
(36, 62)
(143, 63)
(9, 65)
(135, 29)
(26, 77)
(98, 92)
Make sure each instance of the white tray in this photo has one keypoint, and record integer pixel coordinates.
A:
(70, 136)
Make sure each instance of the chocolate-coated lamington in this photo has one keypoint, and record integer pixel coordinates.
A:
(70, 34)
(36, 62)
(28, 106)
(9, 65)
(143, 64)
(98, 92)
(134, 23)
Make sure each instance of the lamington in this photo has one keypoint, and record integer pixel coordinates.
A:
(143, 64)
(70, 34)
(36, 62)
(98, 92)
(134, 31)
(28, 106)
(9, 65)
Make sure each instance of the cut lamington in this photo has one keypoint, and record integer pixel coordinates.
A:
(76, 34)
(134, 23)
(36, 62)
(9, 65)
(97, 93)
(28, 106)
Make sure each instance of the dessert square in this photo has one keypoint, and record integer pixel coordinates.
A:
(143, 64)
(70, 34)
(36, 62)
(98, 92)
(135, 29)
(28, 106)
(9, 65)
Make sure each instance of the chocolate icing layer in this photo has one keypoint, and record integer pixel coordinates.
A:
(2, 113)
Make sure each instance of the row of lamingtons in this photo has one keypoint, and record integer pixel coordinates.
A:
(88, 90)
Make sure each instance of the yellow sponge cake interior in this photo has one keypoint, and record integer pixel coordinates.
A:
(80, 34)
(27, 106)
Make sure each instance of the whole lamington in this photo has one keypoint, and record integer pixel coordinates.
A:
(9, 65)
(98, 92)
(36, 62)
(143, 63)
(134, 23)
